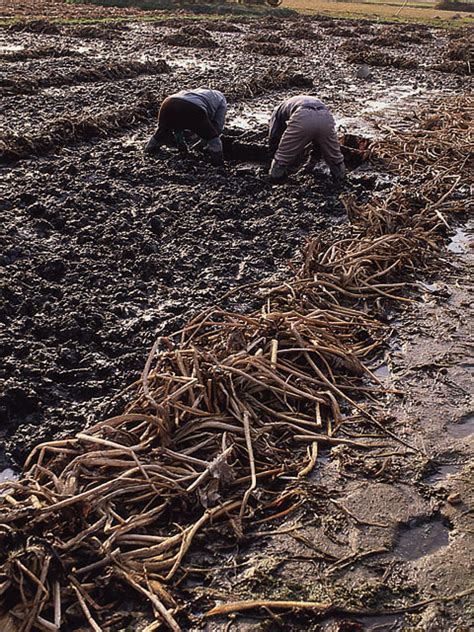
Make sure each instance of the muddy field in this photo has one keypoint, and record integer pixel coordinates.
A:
(104, 249)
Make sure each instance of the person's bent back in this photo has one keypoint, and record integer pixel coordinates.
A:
(201, 111)
(296, 124)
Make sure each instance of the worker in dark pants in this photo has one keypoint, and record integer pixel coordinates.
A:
(200, 111)
(300, 123)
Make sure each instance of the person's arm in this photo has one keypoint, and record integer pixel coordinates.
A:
(219, 117)
(277, 127)
(331, 151)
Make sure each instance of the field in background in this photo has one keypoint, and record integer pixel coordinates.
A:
(372, 9)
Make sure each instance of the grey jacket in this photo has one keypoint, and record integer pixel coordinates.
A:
(212, 101)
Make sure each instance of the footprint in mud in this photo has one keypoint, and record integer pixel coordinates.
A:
(416, 540)
(441, 472)
(462, 428)
(447, 464)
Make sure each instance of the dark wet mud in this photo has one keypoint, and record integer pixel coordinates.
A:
(103, 249)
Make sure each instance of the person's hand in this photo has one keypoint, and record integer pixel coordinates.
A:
(216, 158)
(152, 146)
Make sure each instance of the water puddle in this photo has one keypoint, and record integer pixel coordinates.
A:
(6, 476)
(356, 125)
(460, 242)
(392, 100)
(190, 63)
(417, 540)
(382, 371)
(11, 48)
(463, 428)
(441, 473)
(250, 120)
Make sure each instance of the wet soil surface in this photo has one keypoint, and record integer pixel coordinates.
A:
(103, 248)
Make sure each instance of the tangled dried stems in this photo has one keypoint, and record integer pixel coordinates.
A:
(373, 57)
(39, 53)
(107, 31)
(271, 80)
(272, 49)
(221, 411)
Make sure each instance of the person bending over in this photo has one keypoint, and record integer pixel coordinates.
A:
(296, 124)
(201, 111)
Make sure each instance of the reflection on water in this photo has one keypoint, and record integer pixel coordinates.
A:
(250, 119)
(6, 476)
(11, 48)
(190, 62)
(459, 243)
(422, 539)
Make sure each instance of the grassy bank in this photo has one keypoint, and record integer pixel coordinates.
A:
(393, 11)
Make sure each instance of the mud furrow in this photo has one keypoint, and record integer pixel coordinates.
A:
(109, 71)
(42, 52)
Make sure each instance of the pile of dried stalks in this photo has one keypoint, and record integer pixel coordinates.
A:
(304, 33)
(340, 31)
(462, 50)
(459, 58)
(222, 26)
(272, 80)
(221, 411)
(108, 71)
(39, 53)
(191, 36)
(272, 49)
(35, 26)
(453, 67)
(374, 57)
(97, 31)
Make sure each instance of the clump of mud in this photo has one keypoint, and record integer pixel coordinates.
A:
(272, 49)
(373, 57)
(42, 52)
(191, 37)
(35, 26)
